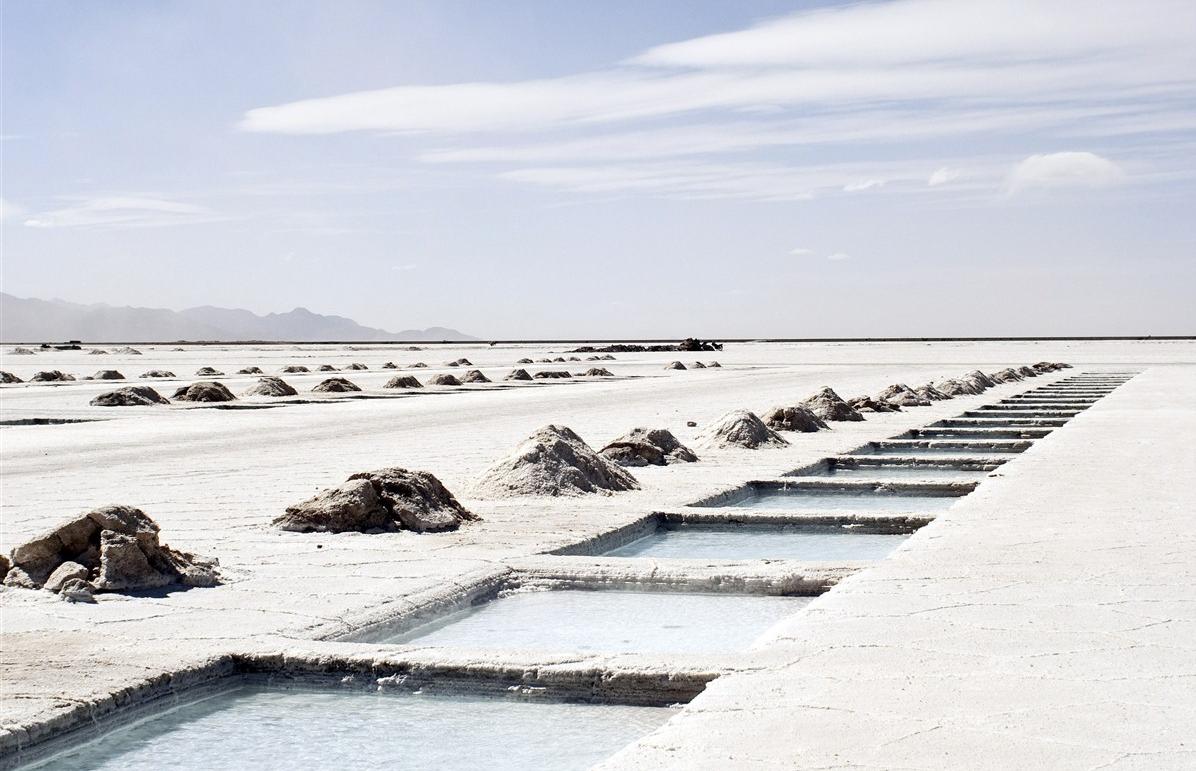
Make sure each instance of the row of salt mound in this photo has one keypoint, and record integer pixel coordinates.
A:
(695, 365)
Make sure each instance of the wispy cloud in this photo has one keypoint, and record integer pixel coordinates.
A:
(838, 257)
(801, 252)
(1070, 169)
(122, 212)
(944, 176)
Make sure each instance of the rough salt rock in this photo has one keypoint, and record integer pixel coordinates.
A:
(674, 365)
(335, 385)
(250, 371)
(352, 507)
(77, 590)
(390, 365)
(294, 369)
(901, 394)
(270, 386)
(8, 377)
(553, 461)
(416, 500)
(118, 545)
(474, 376)
(131, 396)
(958, 387)
(444, 380)
(795, 418)
(107, 374)
(402, 381)
(647, 447)
(928, 391)
(518, 374)
(524, 361)
(208, 372)
(50, 376)
(1007, 375)
(598, 372)
(828, 405)
(152, 373)
(204, 391)
(127, 351)
(326, 368)
(740, 428)
(868, 404)
(5, 566)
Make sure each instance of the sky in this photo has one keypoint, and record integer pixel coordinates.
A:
(622, 169)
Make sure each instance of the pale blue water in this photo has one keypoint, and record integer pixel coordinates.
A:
(805, 500)
(733, 542)
(609, 622)
(894, 471)
(257, 727)
(917, 450)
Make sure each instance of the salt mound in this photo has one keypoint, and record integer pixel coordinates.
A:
(97, 352)
(294, 369)
(127, 351)
(326, 368)
(355, 366)
(714, 364)
(390, 365)
(674, 365)
(553, 461)
(957, 387)
(598, 372)
(250, 371)
(1027, 371)
(559, 358)
(524, 361)
(459, 363)
(903, 395)
(156, 373)
(8, 377)
(793, 419)
(550, 374)
(741, 428)
(418, 365)
(647, 447)
(107, 374)
(444, 380)
(928, 391)
(402, 381)
(130, 396)
(204, 391)
(270, 386)
(979, 377)
(335, 385)
(21, 351)
(50, 376)
(868, 404)
(377, 501)
(474, 376)
(697, 365)
(1048, 366)
(518, 374)
(208, 372)
(1007, 375)
(828, 405)
(114, 548)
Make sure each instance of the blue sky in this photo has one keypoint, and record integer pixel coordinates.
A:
(543, 169)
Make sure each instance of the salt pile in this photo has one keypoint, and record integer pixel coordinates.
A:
(378, 501)
(50, 376)
(828, 405)
(402, 381)
(518, 374)
(931, 393)
(903, 395)
(598, 372)
(647, 447)
(20, 351)
(524, 361)
(390, 365)
(208, 372)
(8, 377)
(294, 369)
(270, 386)
(674, 365)
(250, 371)
(326, 368)
(418, 365)
(335, 385)
(204, 391)
(868, 404)
(444, 380)
(553, 461)
(356, 367)
(697, 365)
(793, 419)
(741, 428)
(127, 351)
(107, 374)
(114, 548)
(474, 376)
(97, 352)
(156, 373)
(130, 396)
(1007, 375)
(550, 374)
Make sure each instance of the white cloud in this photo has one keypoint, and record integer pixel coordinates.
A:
(1070, 169)
(838, 257)
(122, 212)
(800, 252)
(867, 184)
(944, 176)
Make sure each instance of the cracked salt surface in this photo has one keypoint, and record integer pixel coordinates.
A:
(609, 622)
(263, 727)
(734, 542)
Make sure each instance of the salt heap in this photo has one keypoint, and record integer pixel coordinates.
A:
(928, 391)
(377, 501)
(130, 396)
(355, 366)
(868, 404)
(1025, 371)
(326, 368)
(903, 395)
(518, 374)
(697, 365)
(959, 387)
(793, 419)
(204, 391)
(828, 405)
(50, 376)
(114, 548)
(127, 351)
(550, 374)
(647, 447)
(444, 380)
(598, 372)
(402, 381)
(250, 371)
(335, 385)
(524, 361)
(156, 373)
(294, 369)
(8, 377)
(474, 376)
(674, 365)
(208, 372)
(270, 386)
(419, 365)
(978, 377)
(1007, 375)
(553, 461)
(741, 428)
(107, 374)
(390, 365)
(97, 352)
(21, 351)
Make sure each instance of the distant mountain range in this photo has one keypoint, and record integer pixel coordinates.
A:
(26, 320)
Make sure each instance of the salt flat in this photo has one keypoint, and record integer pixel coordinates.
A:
(924, 660)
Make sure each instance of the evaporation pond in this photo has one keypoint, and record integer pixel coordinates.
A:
(609, 622)
(789, 499)
(788, 542)
(896, 471)
(309, 728)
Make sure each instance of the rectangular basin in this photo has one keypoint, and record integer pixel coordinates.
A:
(606, 621)
(825, 496)
(917, 447)
(258, 726)
(822, 543)
(947, 432)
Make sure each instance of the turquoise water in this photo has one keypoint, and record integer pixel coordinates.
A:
(257, 727)
(609, 622)
(733, 542)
